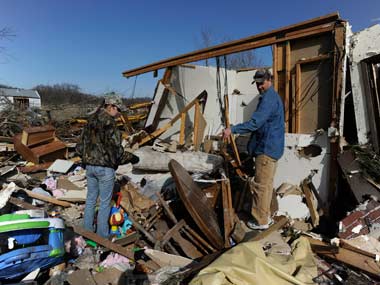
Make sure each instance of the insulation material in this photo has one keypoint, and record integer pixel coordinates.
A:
(6, 192)
(247, 263)
(292, 206)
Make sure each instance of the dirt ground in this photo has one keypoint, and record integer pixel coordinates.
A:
(67, 112)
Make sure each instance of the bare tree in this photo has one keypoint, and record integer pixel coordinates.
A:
(206, 39)
(5, 34)
(244, 59)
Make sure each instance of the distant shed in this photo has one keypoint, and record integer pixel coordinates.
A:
(22, 98)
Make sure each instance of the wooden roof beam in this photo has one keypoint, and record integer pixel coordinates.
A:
(304, 29)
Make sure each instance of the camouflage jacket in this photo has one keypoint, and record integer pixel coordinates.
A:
(100, 142)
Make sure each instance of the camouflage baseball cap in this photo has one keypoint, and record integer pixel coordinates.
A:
(114, 99)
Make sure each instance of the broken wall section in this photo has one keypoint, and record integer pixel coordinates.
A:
(365, 46)
(187, 82)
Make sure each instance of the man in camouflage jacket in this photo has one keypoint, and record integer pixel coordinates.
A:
(102, 152)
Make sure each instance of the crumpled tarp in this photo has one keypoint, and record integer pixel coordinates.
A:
(247, 264)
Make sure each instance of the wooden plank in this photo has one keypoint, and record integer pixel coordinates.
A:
(197, 114)
(306, 28)
(46, 199)
(127, 124)
(104, 242)
(232, 49)
(231, 209)
(189, 232)
(33, 135)
(128, 239)
(309, 202)
(212, 194)
(296, 110)
(275, 227)
(275, 67)
(300, 32)
(41, 129)
(49, 148)
(42, 141)
(6, 139)
(6, 147)
(314, 59)
(194, 241)
(280, 57)
(35, 168)
(232, 139)
(199, 238)
(169, 234)
(336, 101)
(22, 204)
(200, 131)
(141, 229)
(23, 150)
(226, 216)
(344, 244)
(352, 258)
(158, 132)
(182, 129)
(43, 153)
(187, 247)
(338, 71)
(287, 83)
(160, 108)
(234, 164)
(152, 219)
(167, 75)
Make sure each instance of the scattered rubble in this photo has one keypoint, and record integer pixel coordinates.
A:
(178, 216)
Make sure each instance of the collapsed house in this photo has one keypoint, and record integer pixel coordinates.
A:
(21, 97)
(328, 79)
(326, 76)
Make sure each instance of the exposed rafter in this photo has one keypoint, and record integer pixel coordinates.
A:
(304, 29)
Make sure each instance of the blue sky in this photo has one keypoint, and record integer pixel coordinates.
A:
(91, 42)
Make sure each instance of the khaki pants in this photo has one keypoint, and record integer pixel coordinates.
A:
(261, 187)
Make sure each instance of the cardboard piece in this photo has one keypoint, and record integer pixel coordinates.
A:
(61, 166)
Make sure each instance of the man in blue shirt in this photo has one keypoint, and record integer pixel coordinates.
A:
(266, 144)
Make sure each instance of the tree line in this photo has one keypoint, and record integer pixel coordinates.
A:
(66, 94)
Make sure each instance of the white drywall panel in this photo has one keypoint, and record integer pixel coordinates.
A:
(364, 44)
(244, 104)
(157, 97)
(293, 168)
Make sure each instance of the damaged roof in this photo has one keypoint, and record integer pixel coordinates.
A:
(11, 92)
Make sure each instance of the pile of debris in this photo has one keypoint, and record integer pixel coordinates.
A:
(169, 226)
(14, 119)
(179, 214)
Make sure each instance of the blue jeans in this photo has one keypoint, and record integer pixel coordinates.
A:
(100, 182)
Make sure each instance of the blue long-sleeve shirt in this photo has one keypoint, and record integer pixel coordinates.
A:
(266, 125)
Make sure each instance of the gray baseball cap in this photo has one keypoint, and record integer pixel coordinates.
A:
(261, 75)
(114, 99)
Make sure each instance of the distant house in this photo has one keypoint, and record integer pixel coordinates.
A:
(21, 98)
